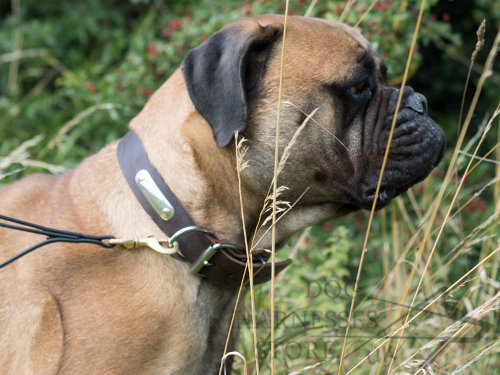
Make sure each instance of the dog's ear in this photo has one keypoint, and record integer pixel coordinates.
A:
(216, 74)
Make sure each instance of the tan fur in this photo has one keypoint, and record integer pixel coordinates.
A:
(81, 309)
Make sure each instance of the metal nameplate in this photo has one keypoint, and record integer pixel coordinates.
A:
(154, 195)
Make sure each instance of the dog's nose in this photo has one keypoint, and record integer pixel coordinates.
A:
(411, 100)
(417, 102)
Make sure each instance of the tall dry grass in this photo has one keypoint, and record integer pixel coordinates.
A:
(418, 317)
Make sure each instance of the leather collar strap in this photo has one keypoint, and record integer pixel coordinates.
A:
(226, 265)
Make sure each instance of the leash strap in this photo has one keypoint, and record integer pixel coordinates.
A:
(209, 257)
(53, 235)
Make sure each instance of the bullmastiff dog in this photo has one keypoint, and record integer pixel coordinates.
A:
(82, 309)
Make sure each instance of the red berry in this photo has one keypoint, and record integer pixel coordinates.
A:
(327, 227)
(380, 31)
(372, 22)
(360, 222)
(146, 92)
(90, 87)
(446, 17)
(482, 205)
(336, 9)
(175, 24)
(152, 50)
(383, 6)
(166, 32)
(471, 207)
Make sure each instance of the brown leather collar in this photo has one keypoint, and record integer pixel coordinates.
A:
(218, 262)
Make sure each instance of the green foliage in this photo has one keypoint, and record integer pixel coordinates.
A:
(77, 71)
(75, 55)
(312, 296)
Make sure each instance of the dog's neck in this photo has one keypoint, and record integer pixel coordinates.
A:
(183, 150)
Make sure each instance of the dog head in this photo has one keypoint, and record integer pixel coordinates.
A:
(330, 70)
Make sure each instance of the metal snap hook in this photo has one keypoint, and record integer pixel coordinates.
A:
(162, 246)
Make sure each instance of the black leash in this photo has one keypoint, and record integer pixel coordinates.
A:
(53, 235)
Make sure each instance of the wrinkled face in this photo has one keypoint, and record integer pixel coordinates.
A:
(331, 70)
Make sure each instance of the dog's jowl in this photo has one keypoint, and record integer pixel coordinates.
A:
(72, 308)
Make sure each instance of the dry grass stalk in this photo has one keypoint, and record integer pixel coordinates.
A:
(426, 308)
(417, 367)
(20, 153)
(23, 54)
(306, 369)
(348, 5)
(368, 10)
(310, 8)
(61, 134)
(284, 212)
(461, 368)
(309, 117)
(241, 151)
(37, 89)
(450, 333)
(20, 156)
(486, 73)
(275, 187)
(384, 162)
(235, 354)
(479, 45)
(288, 148)
(240, 165)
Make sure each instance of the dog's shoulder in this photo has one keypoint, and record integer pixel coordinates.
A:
(26, 189)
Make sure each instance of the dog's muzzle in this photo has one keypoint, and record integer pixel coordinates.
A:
(417, 146)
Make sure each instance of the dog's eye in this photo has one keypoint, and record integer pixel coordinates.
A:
(360, 89)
